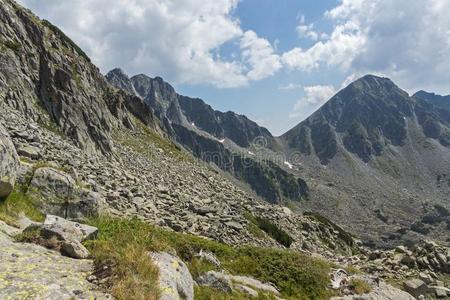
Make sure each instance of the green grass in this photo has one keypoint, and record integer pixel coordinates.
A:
(342, 234)
(206, 293)
(297, 275)
(360, 286)
(15, 204)
(258, 225)
(145, 140)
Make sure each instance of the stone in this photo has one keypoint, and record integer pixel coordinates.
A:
(216, 281)
(74, 249)
(247, 290)
(441, 292)
(234, 225)
(59, 195)
(9, 163)
(415, 287)
(29, 152)
(209, 256)
(175, 280)
(69, 230)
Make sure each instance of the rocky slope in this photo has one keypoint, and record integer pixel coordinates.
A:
(383, 158)
(224, 139)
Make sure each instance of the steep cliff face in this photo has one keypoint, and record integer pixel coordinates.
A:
(42, 69)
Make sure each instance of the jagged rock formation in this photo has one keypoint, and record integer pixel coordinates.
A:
(42, 69)
(383, 159)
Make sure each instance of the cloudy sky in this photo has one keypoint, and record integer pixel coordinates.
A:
(275, 61)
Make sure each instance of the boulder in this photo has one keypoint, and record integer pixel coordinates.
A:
(221, 280)
(9, 163)
(74, 249)
(175, 280)
(59, 195)
(415, 287)
(63, 235)
(209, 257)
(29, 152)
(69, 230)
(216, 281)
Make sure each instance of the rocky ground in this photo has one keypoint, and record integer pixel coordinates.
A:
(29, 271)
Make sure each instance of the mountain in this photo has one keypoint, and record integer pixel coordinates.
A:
(437, 100)
(190, 112)
(387, 153)
(99, 192)
(223, 139)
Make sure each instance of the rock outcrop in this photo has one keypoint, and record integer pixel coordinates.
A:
(175, 280)
(58, 193)
(9, 163)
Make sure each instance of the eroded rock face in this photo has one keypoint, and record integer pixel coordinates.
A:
(9, 162)
(175, 280)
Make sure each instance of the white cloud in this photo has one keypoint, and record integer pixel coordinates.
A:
(289, 86)
(179, 40)
(315, 96)
(304, 30)
(339, 50)
(259, 54)
(408, 41)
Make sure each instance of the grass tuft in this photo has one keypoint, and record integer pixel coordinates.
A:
(17, 203)
(360, 286)
(123, 244)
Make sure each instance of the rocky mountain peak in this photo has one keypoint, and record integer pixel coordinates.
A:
(120, 79)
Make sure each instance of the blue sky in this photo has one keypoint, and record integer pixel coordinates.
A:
(275, 61)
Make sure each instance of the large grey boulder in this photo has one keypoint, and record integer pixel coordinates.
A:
(63, 235)
(9, 162)
(175, 280)
(69, 230)
(226, 282)
(58, 194)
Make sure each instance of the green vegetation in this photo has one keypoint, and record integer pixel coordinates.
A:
(61, 35)
(145, 140)
(342, 234)
(258, 224)
(297, 275)
(206, 293)
(15, 204)
(360, 286)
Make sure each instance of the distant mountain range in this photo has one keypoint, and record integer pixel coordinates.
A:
(371, 158)
(224, 139)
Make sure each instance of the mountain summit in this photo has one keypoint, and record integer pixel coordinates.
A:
(364, 118)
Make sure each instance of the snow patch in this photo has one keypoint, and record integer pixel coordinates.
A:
(288, 164)
(251, 153)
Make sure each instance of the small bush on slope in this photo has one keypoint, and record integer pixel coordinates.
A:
(297, 275)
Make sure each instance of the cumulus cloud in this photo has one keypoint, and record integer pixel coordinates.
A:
(179, 40)
(259, 54)
(315, 96)
(408, 41)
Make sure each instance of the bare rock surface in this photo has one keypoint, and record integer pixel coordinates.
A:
(29, 271)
